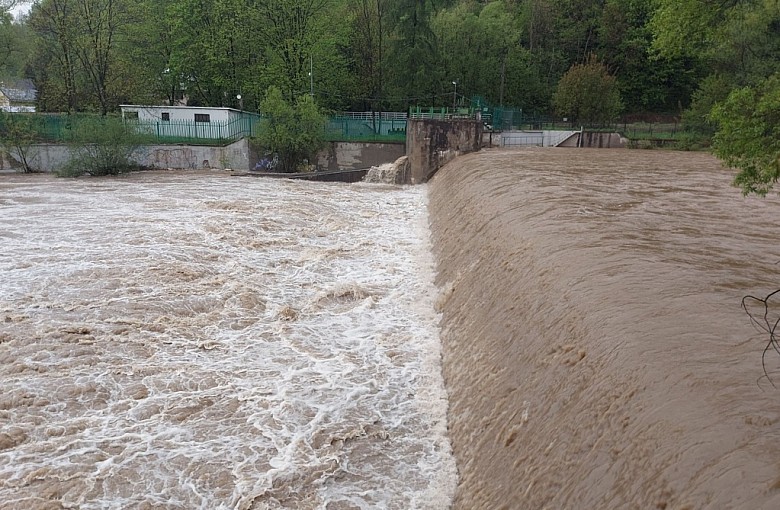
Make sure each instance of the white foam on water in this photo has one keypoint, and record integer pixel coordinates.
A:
(386, 173)
(200, 341)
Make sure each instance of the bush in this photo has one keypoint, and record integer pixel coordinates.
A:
(691, 141)
(293, 133)
(101, 146)
(17, 136)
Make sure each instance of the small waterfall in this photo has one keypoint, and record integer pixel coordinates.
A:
(388, 173)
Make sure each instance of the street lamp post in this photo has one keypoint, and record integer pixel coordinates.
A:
(311, 75)
(240, 102)
(454, 94)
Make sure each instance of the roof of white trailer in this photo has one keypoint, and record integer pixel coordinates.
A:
(163, 107)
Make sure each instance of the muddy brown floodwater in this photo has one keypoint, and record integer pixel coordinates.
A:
(191, 340)
(595, 352)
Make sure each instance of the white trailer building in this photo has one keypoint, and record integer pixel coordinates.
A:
(191, 122)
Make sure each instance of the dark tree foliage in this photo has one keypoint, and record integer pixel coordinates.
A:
(588, 94)
(748, 136)
(667, 56)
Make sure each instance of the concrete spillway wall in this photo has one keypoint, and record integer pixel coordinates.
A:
(558, 138)
(430, 144)
(544, 138)
(601, 140)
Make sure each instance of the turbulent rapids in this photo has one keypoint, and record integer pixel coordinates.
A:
(595, 352)
(193, 340)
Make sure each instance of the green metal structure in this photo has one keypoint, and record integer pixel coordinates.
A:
(347, 127)
(366, 127)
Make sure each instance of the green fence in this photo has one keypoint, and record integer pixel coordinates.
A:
(51, 128)
(196, 133)
(345, 127)
(358, 127)
(498, 119)
(366, 127)
(60, 128)
(442, 113)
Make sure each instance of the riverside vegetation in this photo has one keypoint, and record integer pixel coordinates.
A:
(712, 63)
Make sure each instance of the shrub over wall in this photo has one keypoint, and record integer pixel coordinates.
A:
(17, 136)
(101, 146)
(293, 133)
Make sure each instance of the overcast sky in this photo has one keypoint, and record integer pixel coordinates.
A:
(21, 9)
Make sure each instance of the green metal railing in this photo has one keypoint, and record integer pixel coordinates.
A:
(344, 127)
(442, 113)
(499, 119)
(62, 128)
(361, 128)
(179, 131)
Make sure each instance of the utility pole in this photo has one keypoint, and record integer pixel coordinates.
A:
(503, 80)
(311, 76)
(454, 94)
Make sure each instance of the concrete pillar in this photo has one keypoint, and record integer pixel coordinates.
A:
(430, 144)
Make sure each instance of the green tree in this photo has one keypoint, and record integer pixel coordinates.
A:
(15, 44)
(151, 45)
(648, 82)
(748, 136)
(57, 59)
(294, 133)
(79, 56)
(100, 24)
(732, 37)
(413, 70)
(734, 43)
(365, 53)
(292, 32)
(479, 47)
(211, 51)
(588, 94)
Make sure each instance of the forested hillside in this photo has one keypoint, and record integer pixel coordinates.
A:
(667, 56)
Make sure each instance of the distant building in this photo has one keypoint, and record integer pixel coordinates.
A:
(17, 96)
(191, 122)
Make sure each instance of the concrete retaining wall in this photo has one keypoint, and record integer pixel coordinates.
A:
(358, 155)
(543, 138)
(557, 138)
(237, 156)
(430, 144)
